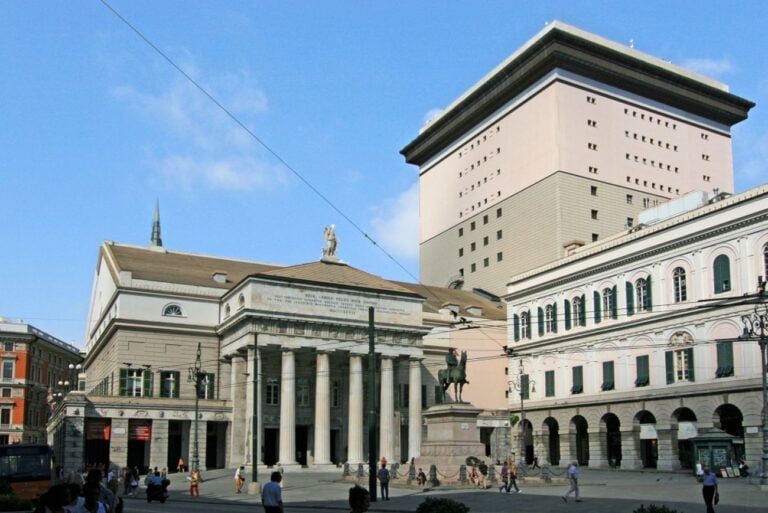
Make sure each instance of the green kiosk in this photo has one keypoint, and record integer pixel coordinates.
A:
(714, 447)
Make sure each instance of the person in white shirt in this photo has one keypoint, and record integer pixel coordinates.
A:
(239, 479)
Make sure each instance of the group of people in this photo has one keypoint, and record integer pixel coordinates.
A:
(478, 475)
(82, 495)
(509, 477)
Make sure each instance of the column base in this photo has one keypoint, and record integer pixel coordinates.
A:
(254, 488)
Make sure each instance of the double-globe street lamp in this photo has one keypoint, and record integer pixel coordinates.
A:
(523, 384)
(756, 328)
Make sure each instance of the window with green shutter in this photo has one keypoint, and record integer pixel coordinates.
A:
(643, 376)
(724, 359)
(722, 271)
(679, 365)
(170, 381)
(567, 310)
(649, 294)
(578, 380)
(630, 298)
(147, 383)
(554, 317)
(549, 383)
(583, 311)
(516, 325)
(608, 379)
(123, 383)
(614, 303)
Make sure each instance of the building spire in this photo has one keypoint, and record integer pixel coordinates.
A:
(156, 240)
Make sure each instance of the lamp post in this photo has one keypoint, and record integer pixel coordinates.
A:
(197, 375)
(74, 370)
(756, 328)
(522, 383)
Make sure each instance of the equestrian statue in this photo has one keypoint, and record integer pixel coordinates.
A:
(456, 373)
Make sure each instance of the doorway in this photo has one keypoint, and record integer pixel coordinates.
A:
(302, 435)
(271, 445)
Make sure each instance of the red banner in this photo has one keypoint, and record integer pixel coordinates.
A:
(97, 429)
(140, 430)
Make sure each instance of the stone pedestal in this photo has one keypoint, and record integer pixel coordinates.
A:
(452, 436)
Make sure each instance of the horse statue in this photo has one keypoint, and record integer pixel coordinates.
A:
(456, 375)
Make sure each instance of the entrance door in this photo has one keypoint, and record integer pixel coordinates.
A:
(139, 437)
(271, 444)
(97, 434)
(174, 444)
(649, 453)
(302, 435)
(335, 446)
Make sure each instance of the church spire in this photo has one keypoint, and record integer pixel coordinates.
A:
(156, 240)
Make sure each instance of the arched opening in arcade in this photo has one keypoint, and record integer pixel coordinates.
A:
(609, 428)
(527, 433)
(551, 431)
(649, 443)
(580, 440)
(685, 421)
(730, 419)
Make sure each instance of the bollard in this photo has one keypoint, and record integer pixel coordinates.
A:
(463, 474)
(546, 474)
(346, 470)
(433, 476)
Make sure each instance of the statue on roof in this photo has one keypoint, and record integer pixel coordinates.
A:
(329, 235)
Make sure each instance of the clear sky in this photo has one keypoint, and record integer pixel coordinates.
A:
(95, 126)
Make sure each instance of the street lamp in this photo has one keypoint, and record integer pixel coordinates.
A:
(74, 370)
(521, 383)
(197, 375)
(756, 328)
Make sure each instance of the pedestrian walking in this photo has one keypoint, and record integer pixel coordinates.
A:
(272, 494)
(383, 475)
(709, 489)
(504, 478)
(573, 480)
(513, 479)
(194, 483)
(239, 479)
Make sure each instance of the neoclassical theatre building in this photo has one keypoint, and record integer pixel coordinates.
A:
(295, 336)
(633, 341)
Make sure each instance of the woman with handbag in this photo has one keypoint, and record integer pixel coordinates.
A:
(709, 489)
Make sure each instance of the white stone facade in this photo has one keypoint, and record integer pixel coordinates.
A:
(632, 343)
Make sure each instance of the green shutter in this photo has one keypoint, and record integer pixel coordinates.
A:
(630, 298)
(648, 294)
(596, 301)
(608, 379)
(524, 392)
(578, 380)
(211, 383)
(722, 268)
(549, 379)
(724, 359)
(642, 365)
(583, 312)
(146, 389)
(177, 377)
(540, 313)
(691, 367)
(516, 323)
(554, 317)
(614, 303)
(669, 358)
(123, 382)
(567, 308)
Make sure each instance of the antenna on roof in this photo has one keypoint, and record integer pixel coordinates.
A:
(156, 241)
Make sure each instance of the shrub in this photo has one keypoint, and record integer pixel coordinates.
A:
(652, 508)
(432, 505)
(13, 503)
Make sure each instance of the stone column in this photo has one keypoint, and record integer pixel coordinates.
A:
(414, 409)
(238, 396)
(322, 410)
(118, 442)
(287, 447)
(567, 447)
(387, 409)
(158, 448)
(355, 424)
(598, 448)
(667, 448)
(630, 449)
(247, 432)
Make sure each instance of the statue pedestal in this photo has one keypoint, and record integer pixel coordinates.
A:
(452, 436)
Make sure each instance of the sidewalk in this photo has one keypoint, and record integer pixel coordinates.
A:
(608, 491)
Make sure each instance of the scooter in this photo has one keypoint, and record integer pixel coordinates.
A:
(158, 492)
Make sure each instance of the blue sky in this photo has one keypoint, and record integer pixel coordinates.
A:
(96, 125)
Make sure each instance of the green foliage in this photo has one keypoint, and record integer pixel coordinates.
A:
(13, 503)
(513, 420)
(652, 508)
(433, 505)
